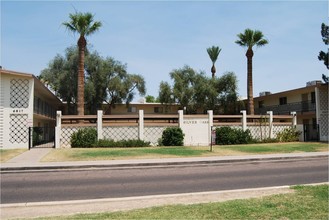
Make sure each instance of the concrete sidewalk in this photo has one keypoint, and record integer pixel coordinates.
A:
(30, 157)
(30, 160)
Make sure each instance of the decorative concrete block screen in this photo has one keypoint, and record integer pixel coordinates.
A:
(153, 133)
(118, 133)
(279, 128)
(322, 111)
(197, 128)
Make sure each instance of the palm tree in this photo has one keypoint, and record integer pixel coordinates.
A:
(249, 39)
(213, 53)
(83, 24)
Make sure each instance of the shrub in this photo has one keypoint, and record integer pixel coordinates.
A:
(173, 136)
(85, 137)
(288, 135)
(122, 143)
(228, 135)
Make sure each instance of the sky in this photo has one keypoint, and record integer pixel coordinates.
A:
(155, 37)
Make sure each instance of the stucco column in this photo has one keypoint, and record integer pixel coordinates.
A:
(180, 118)
(270, 124)
(141, 125)
(244, 119)
(58, 129)
(294, 119)
(99, 124)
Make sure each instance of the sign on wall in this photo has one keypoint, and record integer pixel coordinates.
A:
(196, 131)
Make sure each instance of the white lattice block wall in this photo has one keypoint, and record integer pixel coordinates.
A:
(231, 126)
(118, 133)
(153, 134)
(279, 128)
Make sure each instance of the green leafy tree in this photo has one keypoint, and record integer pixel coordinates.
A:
(150, 99)
(183, 88)
(324, 56)
(84, 25)
(61, 77)
(121, 86)
(107, 81)
(166, 96)
(96, 82)
(213, 53)
(228, 96)
(205, 95)
(197, 92)
(250, 39)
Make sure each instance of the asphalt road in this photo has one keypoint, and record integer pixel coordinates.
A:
(65, 185)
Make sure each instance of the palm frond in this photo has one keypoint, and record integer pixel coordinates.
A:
(251, 38)
(262, 42)
(83, 23)
(69, 26)
(213, 53)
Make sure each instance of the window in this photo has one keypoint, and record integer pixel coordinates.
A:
(131, 109)
(283, 100)
(261, 104)
(158, 109)
(313, 97)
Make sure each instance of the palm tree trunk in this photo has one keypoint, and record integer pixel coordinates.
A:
(213, 70)
(81, 76)
(250, 108)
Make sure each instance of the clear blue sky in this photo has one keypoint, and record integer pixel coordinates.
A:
(155, 37)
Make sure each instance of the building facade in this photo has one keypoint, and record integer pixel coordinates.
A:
(309, 102)
(24, 102)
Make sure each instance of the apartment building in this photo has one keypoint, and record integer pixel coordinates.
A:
(309, 102)
(25, 102)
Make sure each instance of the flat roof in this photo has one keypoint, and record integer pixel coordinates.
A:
(10, 72)
(39, 87)
(306, 88)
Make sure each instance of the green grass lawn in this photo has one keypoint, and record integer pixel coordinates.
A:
(308, 202)
(76, 154)
(6, 155)
(279, 147)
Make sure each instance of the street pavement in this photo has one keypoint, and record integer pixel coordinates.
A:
(30, 160)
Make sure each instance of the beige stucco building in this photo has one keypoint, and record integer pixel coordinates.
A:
(309, 102)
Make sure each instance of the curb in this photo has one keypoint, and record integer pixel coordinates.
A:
(210, 161)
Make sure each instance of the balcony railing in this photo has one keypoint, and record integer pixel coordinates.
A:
(299, 107)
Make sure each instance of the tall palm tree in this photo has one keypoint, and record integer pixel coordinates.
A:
(213, 53)
(84, 25)
(249, 39)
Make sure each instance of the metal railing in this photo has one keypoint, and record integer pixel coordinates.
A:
(299, 107)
